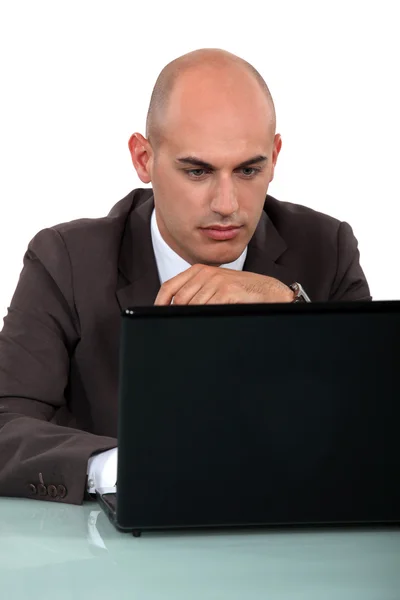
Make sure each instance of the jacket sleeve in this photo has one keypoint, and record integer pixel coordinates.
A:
(39, 458)
(349, 282)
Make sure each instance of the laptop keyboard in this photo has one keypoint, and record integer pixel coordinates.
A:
(110, 500)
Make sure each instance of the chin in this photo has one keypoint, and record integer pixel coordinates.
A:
(222, 257)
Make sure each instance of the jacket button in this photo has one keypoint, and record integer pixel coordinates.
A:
(32, 488)
(62, 491)
(42, 490)
(52, 491)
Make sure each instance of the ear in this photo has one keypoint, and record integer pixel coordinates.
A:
(275, 152)
(142, 154)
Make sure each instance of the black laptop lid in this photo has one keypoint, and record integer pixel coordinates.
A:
(259, 414)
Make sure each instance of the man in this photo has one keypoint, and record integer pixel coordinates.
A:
(215, 236)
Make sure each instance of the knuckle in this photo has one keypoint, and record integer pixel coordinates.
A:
(165, 286)
(207, 269)
(197, 267)
(223, 286)
(179, 298)
(218, 278)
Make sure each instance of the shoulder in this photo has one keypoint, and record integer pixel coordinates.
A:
(287, 216)
(91, 234)
(303, 229)
(114, 221)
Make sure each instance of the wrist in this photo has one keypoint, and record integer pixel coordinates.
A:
(290, 296)
(102, 470)
(281, 294)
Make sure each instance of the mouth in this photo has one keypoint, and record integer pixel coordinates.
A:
(220, 233)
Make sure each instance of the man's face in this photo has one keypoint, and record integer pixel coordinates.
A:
(211, 172)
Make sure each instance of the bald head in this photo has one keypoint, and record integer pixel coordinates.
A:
(210, 153)
(207, 75)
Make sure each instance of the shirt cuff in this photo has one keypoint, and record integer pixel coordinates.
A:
(102, 470)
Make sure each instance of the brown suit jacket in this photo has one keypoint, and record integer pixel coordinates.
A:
(59, 344)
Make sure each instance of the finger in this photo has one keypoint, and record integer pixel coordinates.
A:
(221, 298)
(204, 283)
(206, 292)
(172, 286)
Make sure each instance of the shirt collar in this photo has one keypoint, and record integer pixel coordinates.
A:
(170, 264)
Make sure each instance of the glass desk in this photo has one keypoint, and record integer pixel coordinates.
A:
(59, 551)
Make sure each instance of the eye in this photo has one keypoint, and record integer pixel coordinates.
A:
(249, 171)
(196, 173)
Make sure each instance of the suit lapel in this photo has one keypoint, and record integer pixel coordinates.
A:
(264, 249)
(138, 281)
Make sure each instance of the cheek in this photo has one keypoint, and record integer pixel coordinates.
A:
(179, 203)
(174, 187)
(252, 200)
(190, 199)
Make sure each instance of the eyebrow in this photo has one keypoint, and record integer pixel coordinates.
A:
(192, 160)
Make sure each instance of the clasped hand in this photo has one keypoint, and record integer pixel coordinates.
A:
(202, 284)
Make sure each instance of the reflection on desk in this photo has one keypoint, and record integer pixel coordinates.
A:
(64, 551)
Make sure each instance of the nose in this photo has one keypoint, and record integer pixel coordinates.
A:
(225, 201)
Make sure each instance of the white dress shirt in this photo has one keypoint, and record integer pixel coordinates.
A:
(102, 467)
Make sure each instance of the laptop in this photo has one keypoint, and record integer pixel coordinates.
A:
(258, 415)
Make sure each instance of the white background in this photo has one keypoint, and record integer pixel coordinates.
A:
(76, 78)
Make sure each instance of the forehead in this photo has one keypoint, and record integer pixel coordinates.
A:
(205, 116)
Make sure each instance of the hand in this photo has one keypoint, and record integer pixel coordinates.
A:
(202, 284)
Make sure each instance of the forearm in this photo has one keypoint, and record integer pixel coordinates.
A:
(36, 455)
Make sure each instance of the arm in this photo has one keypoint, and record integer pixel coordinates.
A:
(43, 452)
(350, 282)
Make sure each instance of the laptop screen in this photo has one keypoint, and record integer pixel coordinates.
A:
(259, 414)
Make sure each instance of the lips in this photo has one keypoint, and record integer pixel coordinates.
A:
(221, 233)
